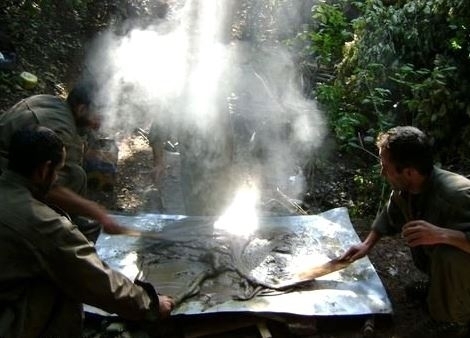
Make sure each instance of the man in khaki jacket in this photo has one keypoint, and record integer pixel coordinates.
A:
(430, 207)
(48, 267)
(68, 119)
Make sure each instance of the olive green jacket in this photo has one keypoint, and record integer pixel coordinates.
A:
(444, 202)
(54, 113)
(48, 269)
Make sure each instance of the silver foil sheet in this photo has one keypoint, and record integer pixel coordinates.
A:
(209, 270)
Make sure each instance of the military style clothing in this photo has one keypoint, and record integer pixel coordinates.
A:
(48, 269)
(54, 113)
(444, 202)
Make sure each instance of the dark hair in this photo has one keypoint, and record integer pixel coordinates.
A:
(83, 92)
(32, 146)
(408, 147)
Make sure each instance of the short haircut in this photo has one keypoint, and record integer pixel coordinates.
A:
(83, 92)
(33, 146)
(407, 147)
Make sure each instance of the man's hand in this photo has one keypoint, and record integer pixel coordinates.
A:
(75, 204)
(110, 226)
(420, 232)
(423, 233)
(354, 253)
(360, 250)
(167, 304)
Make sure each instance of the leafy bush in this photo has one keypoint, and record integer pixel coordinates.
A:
(393, 63)
(400, 63)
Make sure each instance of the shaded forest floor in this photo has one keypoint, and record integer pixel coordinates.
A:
(52, 48)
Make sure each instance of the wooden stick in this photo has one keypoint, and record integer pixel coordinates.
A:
(322, 270)
(312, 273)
(146, 234)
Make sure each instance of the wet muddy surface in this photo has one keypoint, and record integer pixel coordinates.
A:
(210, 270)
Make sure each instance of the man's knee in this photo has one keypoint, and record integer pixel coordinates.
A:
(449, 296)
(446, 255)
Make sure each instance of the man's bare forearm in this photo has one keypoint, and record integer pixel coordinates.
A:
(456, 239)
(372, 238)
(75, 204)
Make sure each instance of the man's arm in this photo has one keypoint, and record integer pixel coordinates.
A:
(454, 228)
(74, 266)
(424, 233)
(73, 203)
(360, 250)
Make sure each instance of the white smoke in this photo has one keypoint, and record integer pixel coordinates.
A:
(186, 73)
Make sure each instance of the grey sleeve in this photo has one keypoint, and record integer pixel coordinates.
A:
(390, 220)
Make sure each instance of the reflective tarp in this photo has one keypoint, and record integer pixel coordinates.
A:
(208, 270)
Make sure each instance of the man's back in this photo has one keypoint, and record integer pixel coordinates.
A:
(26, 293)
(54, 113)
(44, 110)
(49, 268)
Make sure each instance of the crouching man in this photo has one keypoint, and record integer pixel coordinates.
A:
(431, 209)
(49, 268)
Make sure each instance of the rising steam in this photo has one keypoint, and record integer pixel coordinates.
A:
(191, 76)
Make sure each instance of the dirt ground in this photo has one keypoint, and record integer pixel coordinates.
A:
(133, 193)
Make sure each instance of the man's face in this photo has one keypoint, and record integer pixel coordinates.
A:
(398, 180)
(87, 117)
(52, 174)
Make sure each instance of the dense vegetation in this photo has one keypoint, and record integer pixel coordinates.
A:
(374, 64)
(394, 62)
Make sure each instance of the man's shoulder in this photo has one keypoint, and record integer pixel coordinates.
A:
(16, 205)
(50, 111)
(45, 97)
(46, 101)
(39, 105)
(450, 179)
(450, 185)
(20, 209)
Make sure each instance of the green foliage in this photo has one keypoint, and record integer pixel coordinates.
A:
(430, 99)
(366, 181)
(331, 32)
(46, 7)
(407, 62)
(393, 63)
(46, 38)
(324, 44)
(343, 122)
